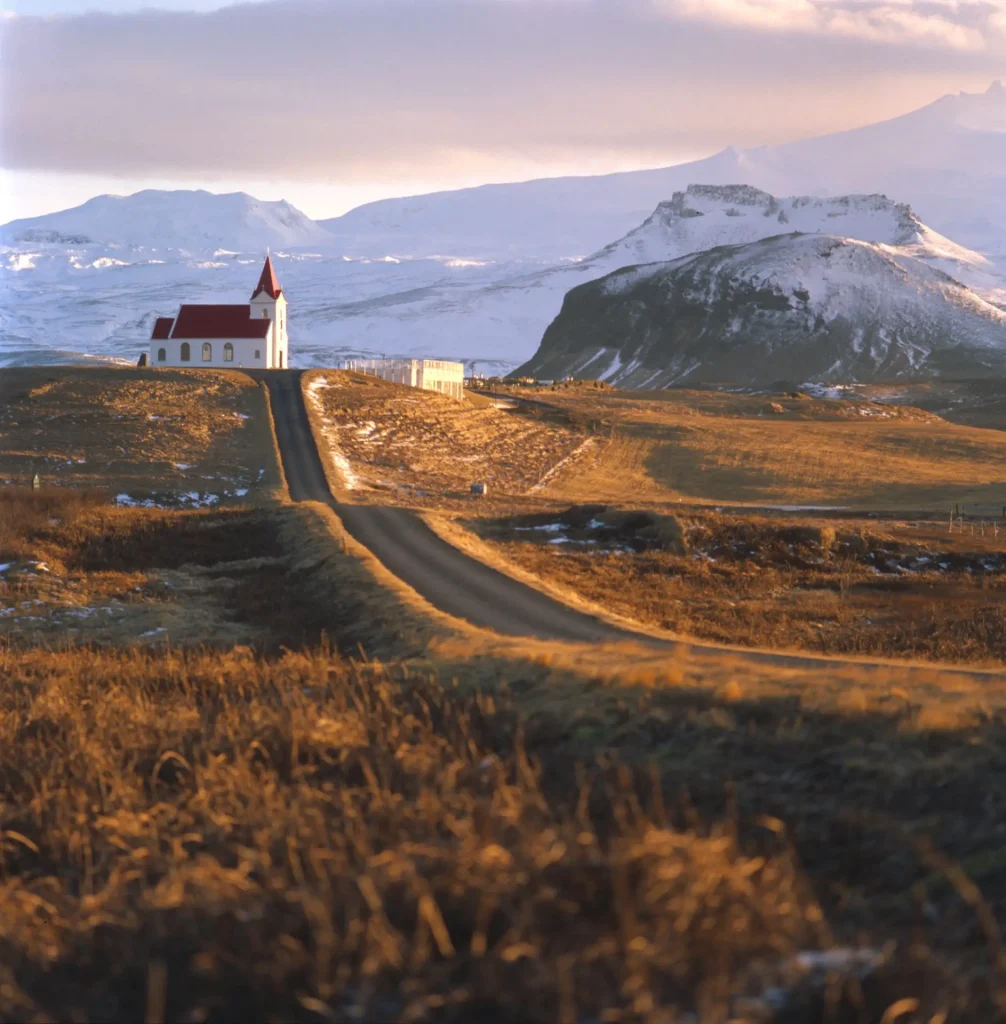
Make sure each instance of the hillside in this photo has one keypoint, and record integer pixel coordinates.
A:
(946, 159)
(799, 307)
(155, 220)
(493, 312)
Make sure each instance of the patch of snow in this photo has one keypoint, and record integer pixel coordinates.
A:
(330, 436)
(579, 450)
(804, 508)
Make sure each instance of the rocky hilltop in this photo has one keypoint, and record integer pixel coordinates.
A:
(794, 306)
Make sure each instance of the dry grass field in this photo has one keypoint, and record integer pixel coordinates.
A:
(740, 449)
(882, 589)
(474, 828)
(400, 445)
(75, 569)
(187, 438)
(247, 775)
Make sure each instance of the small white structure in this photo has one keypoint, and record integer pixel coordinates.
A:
(227, 336)
(429, 374)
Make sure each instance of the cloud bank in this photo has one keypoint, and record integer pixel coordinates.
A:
(351, 90)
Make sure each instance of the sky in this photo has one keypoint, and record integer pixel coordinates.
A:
(332, 103)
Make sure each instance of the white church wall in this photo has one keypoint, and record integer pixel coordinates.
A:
(250, 352)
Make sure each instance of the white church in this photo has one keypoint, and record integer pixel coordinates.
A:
(252, 335)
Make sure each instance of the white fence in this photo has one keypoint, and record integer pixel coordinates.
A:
(429, 374)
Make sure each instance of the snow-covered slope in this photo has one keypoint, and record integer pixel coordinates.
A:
(195, 222)
(795, 306)
(948, 160)
(103, 300)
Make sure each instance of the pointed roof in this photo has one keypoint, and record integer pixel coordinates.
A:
(267, 282)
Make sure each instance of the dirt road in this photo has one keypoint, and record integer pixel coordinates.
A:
(408, 548)
(468, 589)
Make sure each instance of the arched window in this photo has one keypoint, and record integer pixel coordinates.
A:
(186, 352)
(207, 352)
(265, 314)
(161, 355)
(228, 353)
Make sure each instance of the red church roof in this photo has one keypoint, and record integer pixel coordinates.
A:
(267, 282)
(162, 328)
(219, 322)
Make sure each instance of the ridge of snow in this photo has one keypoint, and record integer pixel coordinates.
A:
(192, 220)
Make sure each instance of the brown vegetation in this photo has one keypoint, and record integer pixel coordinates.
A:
(74, 568)
(477, 828)
(214, 836)
(837, 588)
(173, 437)
(424, 449)
(725, 448)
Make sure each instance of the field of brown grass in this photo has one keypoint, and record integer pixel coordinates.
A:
(880, 589)
(400, 445)
(476, 828)
(171, 437)
(75, 569)
(738, 449)
(356, 808)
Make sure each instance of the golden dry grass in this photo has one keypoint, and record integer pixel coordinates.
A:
(76, 569)
(715, 447)
(145, 433)
(476, 828)
(473, 829)
(421, 448)
(305, 840)
(843, 588)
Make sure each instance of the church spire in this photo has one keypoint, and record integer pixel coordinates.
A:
(267, 282)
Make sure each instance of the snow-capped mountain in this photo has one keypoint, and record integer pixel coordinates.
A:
(487, 311)
(195, 222)
(705, 216)
(478, 274)
(947, 159)
(795, 306)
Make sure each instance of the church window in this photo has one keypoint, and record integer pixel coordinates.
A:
(186, 352)
(281, 359)
(228, 353)
(258, 354)
(207, 352)
(161, 355)
(265, 314)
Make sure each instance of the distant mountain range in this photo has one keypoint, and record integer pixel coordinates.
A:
(797, 306)
(948, 160)
(478, 274)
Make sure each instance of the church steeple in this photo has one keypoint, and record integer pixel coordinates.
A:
(269, 303)
(267, 282)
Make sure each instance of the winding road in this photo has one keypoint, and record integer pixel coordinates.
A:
(449, 579)
(469, 589)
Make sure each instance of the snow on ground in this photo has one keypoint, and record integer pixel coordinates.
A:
(330, 432)
(185, 500)
(562, 463)
(487, 311)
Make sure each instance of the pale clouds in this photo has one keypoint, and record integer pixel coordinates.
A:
(357, 92)
(956, 24)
